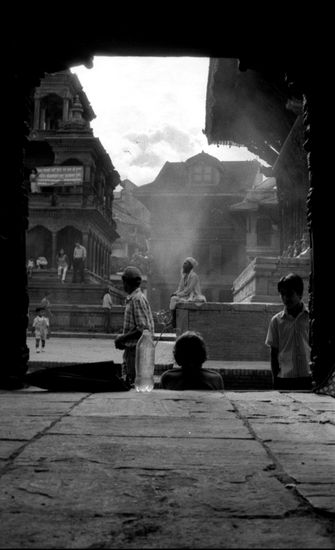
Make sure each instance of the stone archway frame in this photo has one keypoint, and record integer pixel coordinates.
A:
(26, 51)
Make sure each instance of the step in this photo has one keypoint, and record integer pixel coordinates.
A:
(237, 375)
(165, 337)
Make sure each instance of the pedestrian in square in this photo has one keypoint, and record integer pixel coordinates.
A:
(40, 329)
(45, 304)
(137, 317)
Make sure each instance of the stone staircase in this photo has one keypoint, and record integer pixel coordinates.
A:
(75, 307)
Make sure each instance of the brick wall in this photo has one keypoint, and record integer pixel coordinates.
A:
(232, 331)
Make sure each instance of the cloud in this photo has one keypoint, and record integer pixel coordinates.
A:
(152, 150)
(150, 111)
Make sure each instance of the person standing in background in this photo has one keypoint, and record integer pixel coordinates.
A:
(40, 329)
(79, 257)
(45, 304)
(107, 304)
(62, 265)
(137, 317)
(30, 267)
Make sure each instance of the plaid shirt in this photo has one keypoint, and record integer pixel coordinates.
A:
(290, 336)
(137, 315)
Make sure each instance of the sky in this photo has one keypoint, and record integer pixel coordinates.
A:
(150, 110)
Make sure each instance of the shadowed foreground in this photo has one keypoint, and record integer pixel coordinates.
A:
(167, 469)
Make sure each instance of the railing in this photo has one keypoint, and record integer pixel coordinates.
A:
(69, 200)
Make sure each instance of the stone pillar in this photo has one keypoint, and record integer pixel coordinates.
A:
(14, 224)
(37, 112)
(99, 258)
(85, 240)
(42, 119)
(85, 244)
(53, 248)
(95, 252)
(65, 109)
(89, 252)
(320, 216)
(105, 261)
(109, 261)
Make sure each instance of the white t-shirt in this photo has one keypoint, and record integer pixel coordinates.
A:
(290, 335)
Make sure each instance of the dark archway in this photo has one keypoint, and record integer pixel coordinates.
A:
(66, 239)
(292, 60)
(39, 243)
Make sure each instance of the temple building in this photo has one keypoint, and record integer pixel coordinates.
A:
(260, 214)
(273, 129)
(71, 195)
(275, 210)
(190, 204)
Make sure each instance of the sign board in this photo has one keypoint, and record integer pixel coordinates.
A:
(52, 176)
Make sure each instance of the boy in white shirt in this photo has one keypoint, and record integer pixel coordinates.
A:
(288, 337)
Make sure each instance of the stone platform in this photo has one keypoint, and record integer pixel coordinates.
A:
(258, 281)
(232, 331)
(167, 469)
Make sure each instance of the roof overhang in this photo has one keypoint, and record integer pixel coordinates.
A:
(247, 108)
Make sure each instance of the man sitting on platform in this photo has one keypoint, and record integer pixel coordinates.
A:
(188, 289)
(190, 353)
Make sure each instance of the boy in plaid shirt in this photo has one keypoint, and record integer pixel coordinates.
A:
(137, 317)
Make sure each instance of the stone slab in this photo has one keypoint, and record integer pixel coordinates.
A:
(185, 427)
(155, 453)
(136, 529)
(24, 428)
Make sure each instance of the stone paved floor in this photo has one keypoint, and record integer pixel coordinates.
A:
(167, 470)
(88, 350)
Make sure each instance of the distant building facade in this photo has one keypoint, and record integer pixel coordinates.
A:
(133, 225)
(190, 205)
(71, 197)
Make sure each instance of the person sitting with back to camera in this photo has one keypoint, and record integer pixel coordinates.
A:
(190, 353)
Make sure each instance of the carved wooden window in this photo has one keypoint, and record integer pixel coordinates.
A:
(204, 175)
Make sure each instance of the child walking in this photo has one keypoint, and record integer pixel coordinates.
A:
(40, 327)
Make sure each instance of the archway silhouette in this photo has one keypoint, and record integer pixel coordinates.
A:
(285, 59)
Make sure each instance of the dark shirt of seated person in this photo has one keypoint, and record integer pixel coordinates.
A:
(190, 353)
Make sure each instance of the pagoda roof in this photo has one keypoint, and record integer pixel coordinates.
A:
(261, 194)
